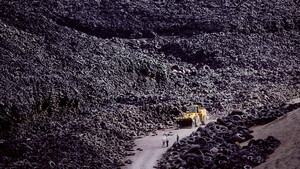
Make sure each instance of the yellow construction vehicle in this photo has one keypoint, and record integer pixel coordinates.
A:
(194, 115)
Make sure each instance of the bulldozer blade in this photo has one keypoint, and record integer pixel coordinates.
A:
(185, 122)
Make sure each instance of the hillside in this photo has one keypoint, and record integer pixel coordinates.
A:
(80, 80)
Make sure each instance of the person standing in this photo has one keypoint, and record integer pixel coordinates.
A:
(164, 140)
(177, 138)
(167, 141)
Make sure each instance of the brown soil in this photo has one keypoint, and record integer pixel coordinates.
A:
(287, 130)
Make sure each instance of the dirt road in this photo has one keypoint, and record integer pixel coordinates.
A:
(152, 148)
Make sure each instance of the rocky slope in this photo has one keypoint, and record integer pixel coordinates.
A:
(79, 80)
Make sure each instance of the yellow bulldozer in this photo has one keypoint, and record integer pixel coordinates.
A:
(194, 115)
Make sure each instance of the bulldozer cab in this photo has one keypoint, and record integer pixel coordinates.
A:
(191, 112)
(195, 109)
(192, 109)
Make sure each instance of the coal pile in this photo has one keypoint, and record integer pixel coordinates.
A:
(217, 145)
(81, 80)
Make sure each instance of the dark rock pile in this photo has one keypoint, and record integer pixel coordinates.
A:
(80, 80)
(217, 145)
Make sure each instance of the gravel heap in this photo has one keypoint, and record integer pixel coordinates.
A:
(81, 80)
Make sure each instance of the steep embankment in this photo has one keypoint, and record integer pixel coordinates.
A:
(79, 80)
(286, 129)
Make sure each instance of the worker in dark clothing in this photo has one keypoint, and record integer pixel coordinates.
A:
(167, 141)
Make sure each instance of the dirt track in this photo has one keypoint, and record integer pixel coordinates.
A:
(152, 148)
